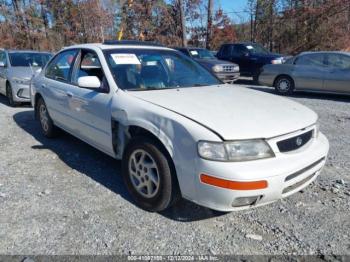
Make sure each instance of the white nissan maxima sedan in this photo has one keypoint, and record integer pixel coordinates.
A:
(179, 131)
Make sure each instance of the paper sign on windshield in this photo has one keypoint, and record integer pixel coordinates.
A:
(125, 59)
(250, 47)
(194, 52)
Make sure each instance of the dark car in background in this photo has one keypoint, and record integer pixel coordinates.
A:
(225, 71)
(327, 72)
(250, 57)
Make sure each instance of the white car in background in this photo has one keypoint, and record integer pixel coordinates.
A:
(17, 67)
(178, 130)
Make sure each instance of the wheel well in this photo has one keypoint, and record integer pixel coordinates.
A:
(37, 96)
(121, 136)
(136, 131)
(283, 75)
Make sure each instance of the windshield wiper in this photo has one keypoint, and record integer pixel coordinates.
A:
(200, 85)
(149, 88)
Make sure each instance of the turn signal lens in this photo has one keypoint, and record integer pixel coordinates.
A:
(234, 185)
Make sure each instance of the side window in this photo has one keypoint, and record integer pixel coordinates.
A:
(240, 50)
(310, 60)
(88, 64)
(60, 67)
(3, 58)
(226, 51)
(338, 61)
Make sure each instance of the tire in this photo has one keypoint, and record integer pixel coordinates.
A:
(284, 85)
(148, 175)
(47, 126)
(9, 95)
(256, 78)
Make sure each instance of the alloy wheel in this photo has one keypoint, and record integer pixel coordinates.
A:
(144, 173)
(44, 119)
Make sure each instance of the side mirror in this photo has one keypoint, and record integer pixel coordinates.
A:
(89, 82)
(2, 64)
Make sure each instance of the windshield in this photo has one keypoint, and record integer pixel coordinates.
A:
(256, 49)
(146, 69)
(201, 54)
(29, 59)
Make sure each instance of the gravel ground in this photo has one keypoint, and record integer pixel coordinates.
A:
(64, 197)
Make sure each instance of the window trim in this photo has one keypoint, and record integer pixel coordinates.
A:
(75, 68)
(70, 70)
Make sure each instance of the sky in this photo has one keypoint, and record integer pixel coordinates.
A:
(234, 8)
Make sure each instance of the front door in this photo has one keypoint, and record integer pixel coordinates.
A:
(309, 71)
(91, 108)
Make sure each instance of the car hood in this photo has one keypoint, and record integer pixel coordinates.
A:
(234, 112)
(22, 72)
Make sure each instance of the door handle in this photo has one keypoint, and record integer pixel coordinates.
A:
(69, 94)
(43, 86)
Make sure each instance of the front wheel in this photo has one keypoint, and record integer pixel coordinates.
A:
(9, 94)
(284, 85)
(148, 175)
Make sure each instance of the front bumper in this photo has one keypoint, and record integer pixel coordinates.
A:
(20, 92)
(286, 174)
(228, 77)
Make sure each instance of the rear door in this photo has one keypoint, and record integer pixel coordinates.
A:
(309, 71)
(55, 87)
(338, 76)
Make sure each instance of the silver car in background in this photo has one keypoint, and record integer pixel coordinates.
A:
(327, 72)
(16, 70)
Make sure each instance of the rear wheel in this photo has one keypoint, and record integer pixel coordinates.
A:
(47, 125)
(148, 175)
(284, 85)
(9, 94)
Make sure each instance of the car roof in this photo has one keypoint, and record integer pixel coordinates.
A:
(103, 46)
(324, 52)
(241, 43)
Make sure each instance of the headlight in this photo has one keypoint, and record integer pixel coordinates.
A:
(236, 69)
(235, 150)
(217, 68)
(277, 61)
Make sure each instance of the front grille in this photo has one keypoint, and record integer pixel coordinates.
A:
(298, 184)
(228, 68)
(295, 142)
(298, 173)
